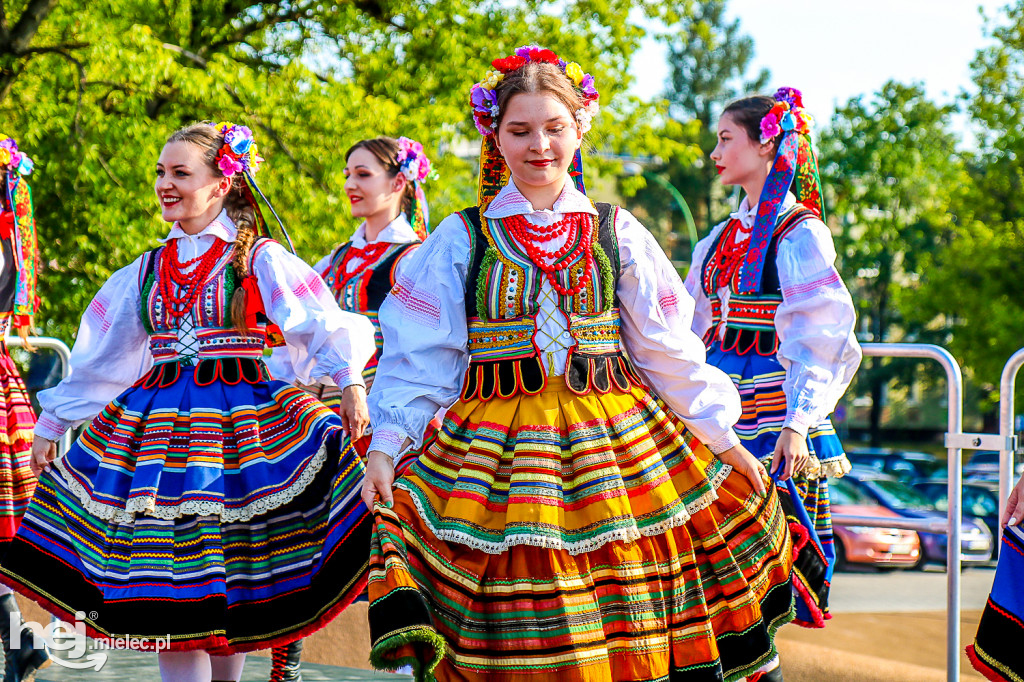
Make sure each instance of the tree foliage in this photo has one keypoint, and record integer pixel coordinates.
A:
(91, 91)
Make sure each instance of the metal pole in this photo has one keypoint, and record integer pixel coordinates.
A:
(1007, 385)
(64, 353)
(954, 381)
(691, 227)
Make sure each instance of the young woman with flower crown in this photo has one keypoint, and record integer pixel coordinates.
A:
(581, 515)
(206, 505)
(777, 318)
(19, 259)
(384, 183)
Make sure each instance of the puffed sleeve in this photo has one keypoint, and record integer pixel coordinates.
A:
(111, 353)
(324, 342)
(279, 361)
(657, 333)
(702, 315)
(425, 340)
(815, 323)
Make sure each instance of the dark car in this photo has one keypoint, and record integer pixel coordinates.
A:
(983, 465)
(975, 538)
(980, 501)
(905, 465)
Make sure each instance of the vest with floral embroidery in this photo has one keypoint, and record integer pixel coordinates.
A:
(503, 287)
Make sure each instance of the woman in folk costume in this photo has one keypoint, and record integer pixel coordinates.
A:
(19, 258)
(996, 652)
(205, 502)
(581, 515)
(777, 318)
(384, 183)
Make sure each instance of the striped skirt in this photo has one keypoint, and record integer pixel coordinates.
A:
(16, 423)
(996, 652)
(759, 379)
(563, 537)
(222, 516)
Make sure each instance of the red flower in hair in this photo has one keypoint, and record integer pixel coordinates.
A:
(544, 55)
(509, 64)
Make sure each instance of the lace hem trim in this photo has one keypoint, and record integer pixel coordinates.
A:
(147, 505)
(629, 534)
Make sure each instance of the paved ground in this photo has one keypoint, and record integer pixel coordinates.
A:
(886, 626)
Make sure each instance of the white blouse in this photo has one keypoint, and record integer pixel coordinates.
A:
(111, 351)
(426, 338)
(815, 321)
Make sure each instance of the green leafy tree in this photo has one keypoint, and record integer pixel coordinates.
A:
(891, 168)
(91, 90)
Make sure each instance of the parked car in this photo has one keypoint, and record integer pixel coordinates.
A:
(980, 501)
(903, 464)
(976, 540)
(858, 544)
(983, 465)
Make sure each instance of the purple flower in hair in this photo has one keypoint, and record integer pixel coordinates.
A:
(587, 87)
(239, 138)
(9, 144)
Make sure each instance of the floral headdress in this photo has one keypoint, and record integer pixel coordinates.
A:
(795, 167)
(12, 160)
(484, 99)
(18, 225)
(239, 154)
(415, 166)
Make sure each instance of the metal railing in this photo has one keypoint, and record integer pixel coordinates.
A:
(64, 353)
(1007, 385)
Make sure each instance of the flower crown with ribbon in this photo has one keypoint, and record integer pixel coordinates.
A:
(12, 160)
(795, 168)
(415, 166)
(483, 97)
(239, 153)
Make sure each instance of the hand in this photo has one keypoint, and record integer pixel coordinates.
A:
(379, 477)
(1013, 513)
(740, 459)
(354, 414)
(791, 452)
(43, 452)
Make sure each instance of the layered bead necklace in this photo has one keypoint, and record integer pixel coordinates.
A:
(731, 252)
(578, 229)
(369, 253)
(188, 284)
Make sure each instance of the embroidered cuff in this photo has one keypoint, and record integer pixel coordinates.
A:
(346, 377)
(800, 422)
(729, 440)
(51, 427)
(388, 438)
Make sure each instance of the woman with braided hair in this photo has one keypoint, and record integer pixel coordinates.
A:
(777, 318)
(586, 512)
(201, 512)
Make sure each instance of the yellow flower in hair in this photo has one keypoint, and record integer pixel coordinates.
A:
(222, 126)
(575, 72)
(5, 156)
(491, 80)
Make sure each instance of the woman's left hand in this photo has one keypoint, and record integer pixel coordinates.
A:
(791, 452)
(740, 459)
(355, 416)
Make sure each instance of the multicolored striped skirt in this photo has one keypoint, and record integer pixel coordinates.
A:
(563, 537)
(222, 516)
(16, 423)
(997, 653)
(759, 379)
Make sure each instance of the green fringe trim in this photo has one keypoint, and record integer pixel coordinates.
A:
(490, 258)
(773, 629)
(229, 290)
(604, 265)
(420, 634)
(147, 323)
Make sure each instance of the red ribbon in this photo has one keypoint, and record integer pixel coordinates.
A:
(6, 224)
(253, 301)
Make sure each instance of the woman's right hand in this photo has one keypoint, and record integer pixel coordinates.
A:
(1013, 513)
(378, 479)
(44, 451)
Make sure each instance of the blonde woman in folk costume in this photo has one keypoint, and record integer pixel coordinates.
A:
(206, 502)
(777, 318)
(576, 516)
(384, 184)
(19, 261)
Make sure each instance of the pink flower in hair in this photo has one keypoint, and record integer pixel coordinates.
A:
(229, 166)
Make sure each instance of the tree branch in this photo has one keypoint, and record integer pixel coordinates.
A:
(247, 30)
(21, 35)
(265, 127)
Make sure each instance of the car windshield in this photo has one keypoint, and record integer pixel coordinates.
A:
(977, 501)
(843, 492)
(899, 496)
(984, 458)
